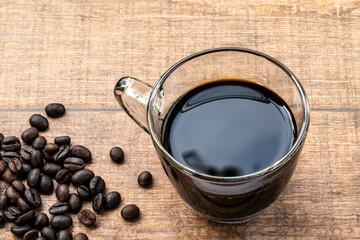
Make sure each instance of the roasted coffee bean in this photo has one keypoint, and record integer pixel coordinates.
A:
(87, 217)
(40, 238)
(39, 143)
(46, 185)
(64, 235)
(81, 236)
(10, 144)
(26, 168)
(112, 200)
(29, 135)
(62, 140)
(9, 176)
(60, 208)
(2, 167)
(36, 159)
(32, 196)
(75, 202)
(15, 166)
(22, 205)
(19, 231)
(51, 169)
(25, 153)
(62, 154)
(31, 235)
(6, 157)
(145, 179)
(38, 121)
(82, 177)
(84, 192)
(48, 157)
(12, 213)
(2, 219)
(48, 233)
(41, 221)
(12, 194)
(61, 222)
(18, 185)
(98, 203)
(74, 164)
(63, 176)
(97, 185)
(117, 154)
(51, 148)
(81, 152)
(4, 200)
(1, 139)
(33, 178)
(25, 218)
(62, 192)
(130, 212)
(55, 110)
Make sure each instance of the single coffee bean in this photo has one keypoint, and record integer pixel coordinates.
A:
(36, 159)
(51, 148)
(31, 235)
(62, 154)
(60, 208)
(48, 233)
(33, 178)
(47, 156)
(39, 143)
(81, 152)
(19, 231)
(98, 203)
(46, 185)
(2, 219)
(18, 185)
(41, 221)
(62, 140)
(29, 135)
(9, 176)
(64, 235)
(112, 200)
(55, 110)
(74, 164)
(130, 212)
(63, 176)
(75, 202)
(61, 222)
(38, 121)
(12, 194)
(6, 157)
(40, 238)
(145, 179)
(51, 169)
(10, 144)
(1, 139)
(15, 166)
(96, 185)
(26, 168)
(32, 196)
(22, 205)
(4, 200)
(82, 177)
(2, 166)
(62, 192)
(84, 192)
(12, 213)
(87, 217)
(25, 218)
(81, 236)
(25, 153)
(117, 154)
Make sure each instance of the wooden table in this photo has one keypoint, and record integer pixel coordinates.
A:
(74, 51)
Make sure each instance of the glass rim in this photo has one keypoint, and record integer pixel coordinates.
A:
(298, 143)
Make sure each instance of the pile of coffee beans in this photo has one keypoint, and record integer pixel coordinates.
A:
(37, 163)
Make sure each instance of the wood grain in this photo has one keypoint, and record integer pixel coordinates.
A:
(73, 52)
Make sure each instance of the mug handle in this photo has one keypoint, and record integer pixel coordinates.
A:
(133, 96)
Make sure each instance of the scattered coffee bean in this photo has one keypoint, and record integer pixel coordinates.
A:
(18, 185)
(3, 201)
(60, 208)
(48, 157)
(38, 121)
(29, 135)
(63, 176)
(25, 218)
(25, 153)
(12, 213)
(130, 212)
(145, 179)
(26, 168)
(84, 192)
(41, 221)
(98, 203)
(62, 154)
(51, 148)
(62, 140)
(9, 176)
(51, 169)
(31, 235)
(39, 143)
(55, 110)
(12, 194)
(2, 166)
(10, 144)
(61, 222)
(97, 185)
(32, 196)
(62, 192)
(1, 139)
(64, 235)
(41, 238)
(112, 200)
(46, 185)
(19, 231)
(82, 177)
(48, 233)
(74, 164)
(2, 219)
(75, 202)
(87, 217)
(117, 154)
(6, 157)
(15, 166)
(81, 152)
(81, 236)
(33, 178)
(36, 159)
(22, 205)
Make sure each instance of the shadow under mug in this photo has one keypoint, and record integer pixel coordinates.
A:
(220, 199)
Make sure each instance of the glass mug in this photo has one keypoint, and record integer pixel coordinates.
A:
(220, 199)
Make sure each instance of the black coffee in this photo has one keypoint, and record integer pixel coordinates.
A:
(229, 128)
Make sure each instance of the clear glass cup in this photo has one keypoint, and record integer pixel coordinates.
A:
(220, 199)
